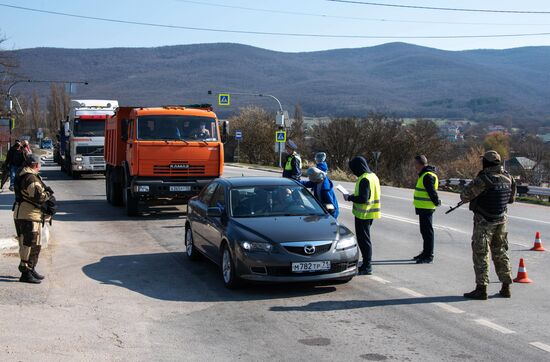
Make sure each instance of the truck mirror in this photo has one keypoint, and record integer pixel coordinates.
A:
(124, 130)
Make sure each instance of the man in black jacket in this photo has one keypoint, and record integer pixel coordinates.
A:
(425, 202)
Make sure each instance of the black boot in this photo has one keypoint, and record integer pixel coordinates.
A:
(505, 291)
(27, 277)
(419, 256)
(37, 275)
(480, 293)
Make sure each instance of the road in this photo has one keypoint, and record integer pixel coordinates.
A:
(121, 289)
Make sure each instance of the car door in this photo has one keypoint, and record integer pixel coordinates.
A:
(199, 219)
(214, 226)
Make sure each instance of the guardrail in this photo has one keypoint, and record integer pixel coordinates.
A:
(522, 189)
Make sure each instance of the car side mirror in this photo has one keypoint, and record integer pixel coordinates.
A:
(330, 208)
(214, 212)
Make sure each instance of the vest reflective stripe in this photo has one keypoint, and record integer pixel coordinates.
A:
(371, 209)
(421, 197)
(288, 165)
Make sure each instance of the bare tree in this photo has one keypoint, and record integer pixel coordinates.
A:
(58, 106)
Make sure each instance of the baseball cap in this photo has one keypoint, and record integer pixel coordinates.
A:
(492, 156)
(421, 159)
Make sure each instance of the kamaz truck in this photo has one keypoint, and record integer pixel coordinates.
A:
(161, 155)
(82, 137)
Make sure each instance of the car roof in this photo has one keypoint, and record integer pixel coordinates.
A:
(258, 181)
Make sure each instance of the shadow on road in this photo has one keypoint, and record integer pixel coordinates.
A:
(6, 200)
(393, 262)
(169, 276)
(331, 305)
(8, 279)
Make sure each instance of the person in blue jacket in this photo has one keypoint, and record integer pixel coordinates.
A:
(323, 189)
(320, 159)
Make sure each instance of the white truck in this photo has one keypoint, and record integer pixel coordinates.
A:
(83, 136)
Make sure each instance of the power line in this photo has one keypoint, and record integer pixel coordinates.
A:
(440, 8)
(304, 35)
(327, 16)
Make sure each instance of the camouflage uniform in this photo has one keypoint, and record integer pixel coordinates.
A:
(489, 233)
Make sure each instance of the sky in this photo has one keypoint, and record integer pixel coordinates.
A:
(24, 29)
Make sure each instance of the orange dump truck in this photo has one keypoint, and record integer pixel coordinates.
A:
(160, 155)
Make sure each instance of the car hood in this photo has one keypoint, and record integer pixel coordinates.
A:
(288, 228)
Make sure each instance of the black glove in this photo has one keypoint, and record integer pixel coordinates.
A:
(49, 190)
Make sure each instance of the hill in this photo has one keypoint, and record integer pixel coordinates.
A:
(396, 78)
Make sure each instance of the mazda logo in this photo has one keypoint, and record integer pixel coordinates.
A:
(309, 249)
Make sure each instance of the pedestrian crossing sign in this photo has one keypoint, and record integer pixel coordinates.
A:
(224, 99)
(280, 136)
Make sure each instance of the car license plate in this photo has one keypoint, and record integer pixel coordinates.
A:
(310, 266)
(180, 188)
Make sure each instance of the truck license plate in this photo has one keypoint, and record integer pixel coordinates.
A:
(311, 266)
(180, 188)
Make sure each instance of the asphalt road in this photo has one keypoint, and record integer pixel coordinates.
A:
(121, 289)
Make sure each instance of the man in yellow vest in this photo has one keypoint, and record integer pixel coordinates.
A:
(425, 201)
(293, 165)
(366, 208)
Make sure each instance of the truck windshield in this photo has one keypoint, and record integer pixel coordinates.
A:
(186, 128)
(89, 127)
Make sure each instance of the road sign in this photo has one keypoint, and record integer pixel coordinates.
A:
(224, 99)
(238, 135)
(280, 136)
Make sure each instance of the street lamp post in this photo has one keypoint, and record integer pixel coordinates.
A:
(10, 98)
(280, 110)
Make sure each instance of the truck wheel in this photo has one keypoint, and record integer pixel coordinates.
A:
(115, 189)
(132, 203)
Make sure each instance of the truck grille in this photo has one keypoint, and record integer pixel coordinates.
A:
(179, 169)
(95, 160)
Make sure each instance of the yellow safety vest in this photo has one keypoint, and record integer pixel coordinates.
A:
(288, 165)
(421, 198)
(370, 210)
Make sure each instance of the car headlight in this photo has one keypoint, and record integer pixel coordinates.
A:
(346, 243)
(78, 159)
(254, 246)
(141, 188)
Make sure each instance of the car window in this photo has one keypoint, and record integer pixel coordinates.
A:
(207, 193)
(218, 200)
(265, 201)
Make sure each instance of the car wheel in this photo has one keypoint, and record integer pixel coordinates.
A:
(190, 250)
(230, 279)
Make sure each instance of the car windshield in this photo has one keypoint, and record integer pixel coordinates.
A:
(89, 127)
(183, 128)
(266, 201)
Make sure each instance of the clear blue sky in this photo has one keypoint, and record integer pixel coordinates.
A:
(27, 29)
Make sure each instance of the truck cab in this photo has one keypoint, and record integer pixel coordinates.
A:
(161, 155)
(84, 135)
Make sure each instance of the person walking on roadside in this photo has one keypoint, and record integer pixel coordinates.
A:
(11, 160)
(489, 195)
(425, 202)
(320, 160)
(323, 188)
(31, 194)
(293, 165)
(366, 208)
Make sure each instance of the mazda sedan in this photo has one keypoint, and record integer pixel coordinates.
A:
(268, 229)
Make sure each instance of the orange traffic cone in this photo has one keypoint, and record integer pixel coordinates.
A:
(538, 243)
(522, 274)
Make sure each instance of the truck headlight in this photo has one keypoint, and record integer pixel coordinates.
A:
(253, 246)
(141, 188)
(346, 243)
(78, 159)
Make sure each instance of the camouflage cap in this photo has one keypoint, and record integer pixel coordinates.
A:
(492, 156)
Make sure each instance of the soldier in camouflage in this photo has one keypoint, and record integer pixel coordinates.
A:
(489, 194)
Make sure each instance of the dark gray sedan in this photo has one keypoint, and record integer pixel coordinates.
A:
(270, 230)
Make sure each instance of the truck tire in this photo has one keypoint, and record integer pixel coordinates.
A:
(131, 203)
(115, 189)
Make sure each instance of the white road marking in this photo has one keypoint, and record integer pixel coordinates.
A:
(527, 219)
(379, 280)
(496, 327)
(410, 292)
(449, 308)
(541, 345)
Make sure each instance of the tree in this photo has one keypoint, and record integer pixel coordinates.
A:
(498, 141)
(297, 130)
(58, 106)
